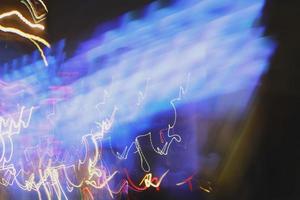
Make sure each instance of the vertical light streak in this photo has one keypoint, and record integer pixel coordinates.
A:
(41, 52)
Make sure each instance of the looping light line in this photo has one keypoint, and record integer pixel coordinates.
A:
(49, 175)
(145, 166)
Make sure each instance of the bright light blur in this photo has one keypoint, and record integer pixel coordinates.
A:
(158, 96)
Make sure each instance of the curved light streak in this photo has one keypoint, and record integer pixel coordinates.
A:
(37, 18)
(33, 38)
(21, 17)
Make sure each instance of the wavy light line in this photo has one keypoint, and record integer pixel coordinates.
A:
(33, 38)
(21, 17)
(37, 18)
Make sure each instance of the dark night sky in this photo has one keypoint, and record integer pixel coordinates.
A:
(74, 20)
(77, 16)
(273, 171)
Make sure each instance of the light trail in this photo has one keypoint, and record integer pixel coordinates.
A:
(144, 164)
(37, 18)
(32, 38)
(21, 17)
(128, 107)
(48, 177)
(205, 189)
(187, 181)
(148, 181)
(41, 52)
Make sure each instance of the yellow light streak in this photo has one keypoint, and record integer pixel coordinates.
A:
(149, 181)
(25, 35)
(41, 52)
(37, 18)
(33, 38)
(21, 17)
(204, 189)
